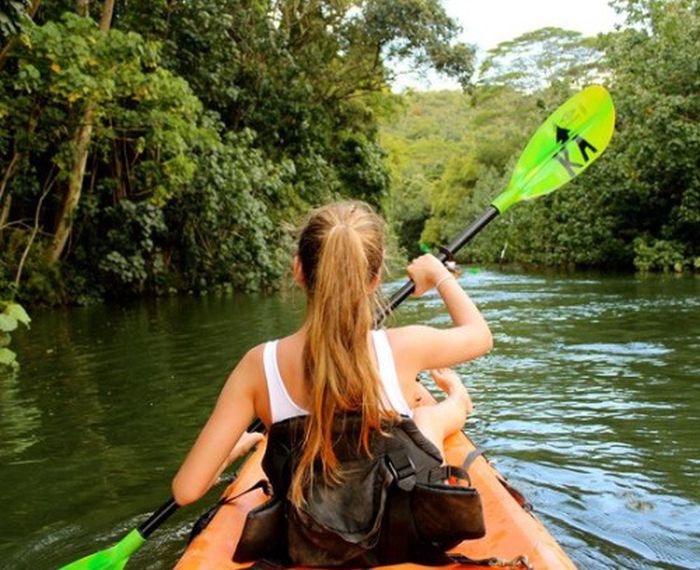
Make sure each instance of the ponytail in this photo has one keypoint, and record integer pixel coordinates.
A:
(341, 250)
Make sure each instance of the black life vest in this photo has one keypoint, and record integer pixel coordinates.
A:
(392, 507)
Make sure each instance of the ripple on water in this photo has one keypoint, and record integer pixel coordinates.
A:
(617, 508)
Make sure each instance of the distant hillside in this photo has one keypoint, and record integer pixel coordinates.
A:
(440, 148)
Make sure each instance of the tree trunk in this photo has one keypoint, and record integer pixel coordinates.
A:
(71, 198)
(9, 172)
(5, 211)
(83, 8)
(5, 196)
(106, 19)
(81, 144)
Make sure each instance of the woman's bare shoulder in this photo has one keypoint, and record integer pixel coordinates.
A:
(249, 369)
(254, 354)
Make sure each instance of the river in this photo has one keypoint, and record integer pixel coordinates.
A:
(589, 403)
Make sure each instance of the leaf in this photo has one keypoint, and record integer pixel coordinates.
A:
(5, 339)
(7, 357)
(32, 71)
(17, 312)
(7, 323)
(55, 67)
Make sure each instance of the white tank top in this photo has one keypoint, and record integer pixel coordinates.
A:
(282, 406)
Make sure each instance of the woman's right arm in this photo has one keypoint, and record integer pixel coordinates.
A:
(234, 411)
(429, 347)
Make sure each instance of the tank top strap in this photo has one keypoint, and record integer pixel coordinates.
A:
(388, 374)
(282, 406)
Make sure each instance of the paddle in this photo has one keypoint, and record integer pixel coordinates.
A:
(567, 143)
(116, 557)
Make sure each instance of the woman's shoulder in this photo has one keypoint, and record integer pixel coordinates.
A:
(254, 354)
(250, 365)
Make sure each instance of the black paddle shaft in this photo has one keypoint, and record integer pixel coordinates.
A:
(158, 518)
(455, 245)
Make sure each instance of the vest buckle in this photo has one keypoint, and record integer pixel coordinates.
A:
(402, 469)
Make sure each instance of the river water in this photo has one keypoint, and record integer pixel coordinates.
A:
(589, 402)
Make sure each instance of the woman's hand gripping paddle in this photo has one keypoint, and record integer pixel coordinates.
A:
(567, 143)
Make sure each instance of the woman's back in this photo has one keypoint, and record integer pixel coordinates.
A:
(334, 364)
(288, 393)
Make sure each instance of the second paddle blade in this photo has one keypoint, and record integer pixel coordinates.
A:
(114, 558)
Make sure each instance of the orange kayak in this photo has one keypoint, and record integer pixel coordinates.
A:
(512, 531)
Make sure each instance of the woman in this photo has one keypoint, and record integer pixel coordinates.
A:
(335, 363)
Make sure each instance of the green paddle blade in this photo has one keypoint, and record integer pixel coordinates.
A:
(568, 142)
(114, 558)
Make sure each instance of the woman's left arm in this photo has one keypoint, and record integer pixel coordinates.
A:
(234, 411)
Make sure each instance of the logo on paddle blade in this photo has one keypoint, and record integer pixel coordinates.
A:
(563, 157)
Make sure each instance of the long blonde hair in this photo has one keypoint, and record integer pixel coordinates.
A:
(341, 250)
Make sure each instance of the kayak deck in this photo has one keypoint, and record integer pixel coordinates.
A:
(511, 531)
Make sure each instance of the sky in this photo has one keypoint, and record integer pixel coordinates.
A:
(486, 23)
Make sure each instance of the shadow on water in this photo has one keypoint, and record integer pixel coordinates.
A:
(589, 402)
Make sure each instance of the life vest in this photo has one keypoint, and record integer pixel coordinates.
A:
(391, 507)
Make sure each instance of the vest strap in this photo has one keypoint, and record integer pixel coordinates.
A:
(444, 472)
(403, 469)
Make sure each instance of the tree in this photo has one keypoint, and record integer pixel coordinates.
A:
(13, 14)
(538, 59)
(146, 121)
(656, 195)
(81, 146)
(168, 149)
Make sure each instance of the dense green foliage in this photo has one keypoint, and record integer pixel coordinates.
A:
(639, 205)
(169, 148)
